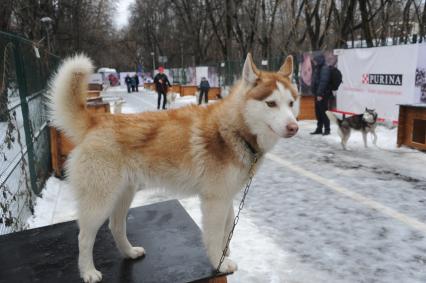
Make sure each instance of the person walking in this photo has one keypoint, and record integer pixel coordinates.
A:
(204, 90)
(322, 92)
(136, 78)
(161, 84)
(128, 82)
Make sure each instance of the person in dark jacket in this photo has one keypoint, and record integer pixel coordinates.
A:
(136, 79)
(128, 82)
(133, 83)
(161, 84)
(204, 90)
(321, 89)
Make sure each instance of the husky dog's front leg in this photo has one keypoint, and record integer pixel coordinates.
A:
(373, 132)
(364, 138)
(228, 227)
(214, 214)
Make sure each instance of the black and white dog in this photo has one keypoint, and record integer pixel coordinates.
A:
(365, 123)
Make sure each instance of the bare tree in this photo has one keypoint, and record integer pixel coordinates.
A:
(268, 12)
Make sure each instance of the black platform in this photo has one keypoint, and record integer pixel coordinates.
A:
(170, 237)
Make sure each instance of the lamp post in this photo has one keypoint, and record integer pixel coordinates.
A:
(181, 64)
(153, 64)
(46, 21)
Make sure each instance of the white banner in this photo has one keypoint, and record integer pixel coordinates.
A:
(379, 78)
(201, 72)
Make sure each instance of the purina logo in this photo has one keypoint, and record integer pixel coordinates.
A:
(382, 79)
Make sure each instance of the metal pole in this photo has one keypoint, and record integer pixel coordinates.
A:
(153, 64)
(181, 63)
(23, 92)
(181, 55)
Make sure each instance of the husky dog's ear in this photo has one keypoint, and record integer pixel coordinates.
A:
(250, 71)
(286, 69)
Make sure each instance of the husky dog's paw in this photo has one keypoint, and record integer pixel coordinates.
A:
(228, 266)
(91, 276)
(135, 252)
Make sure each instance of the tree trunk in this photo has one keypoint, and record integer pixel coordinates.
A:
(405, 22)
(346, 27)
(365, 22)
(228, 19)
(5, 14)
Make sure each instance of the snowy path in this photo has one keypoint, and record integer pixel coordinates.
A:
(315, 213)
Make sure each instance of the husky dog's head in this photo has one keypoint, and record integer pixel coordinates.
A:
(272, 103)
(369, 116)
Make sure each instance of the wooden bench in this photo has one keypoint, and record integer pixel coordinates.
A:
(94, 99)
(188, 90)
(214, 93)
(172, 240)
(176, 88)
(94, 86)
(150, 86)
(93, 93)
(307, 108)
(98, 106)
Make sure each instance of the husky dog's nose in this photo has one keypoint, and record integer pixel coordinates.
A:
(292, 128)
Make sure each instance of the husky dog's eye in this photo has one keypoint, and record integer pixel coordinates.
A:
(291, 103)
(271, 103)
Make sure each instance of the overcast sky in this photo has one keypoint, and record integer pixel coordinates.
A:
(123, 14)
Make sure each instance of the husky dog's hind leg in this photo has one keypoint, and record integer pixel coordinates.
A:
(117, 224)
(91, 216)
(346, 133)
(98, 189)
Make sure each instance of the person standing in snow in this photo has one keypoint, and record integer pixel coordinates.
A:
(322, 91)
(136, 78)
(204, 90)
(128, 81)
(133, 83)
(161, 84)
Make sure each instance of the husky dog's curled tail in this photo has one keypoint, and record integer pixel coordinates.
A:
(68, 92)
(333, 117)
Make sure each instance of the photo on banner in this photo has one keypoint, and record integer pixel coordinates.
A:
(420, 80)
(306, 70)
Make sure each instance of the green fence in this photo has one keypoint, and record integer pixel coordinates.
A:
(24, 134)
(230, 71)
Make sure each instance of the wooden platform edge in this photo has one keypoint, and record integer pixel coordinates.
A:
(220, 279)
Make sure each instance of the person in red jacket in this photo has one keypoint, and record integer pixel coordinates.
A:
(161, 84)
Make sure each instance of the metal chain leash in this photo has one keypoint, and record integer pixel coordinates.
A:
(237, 216)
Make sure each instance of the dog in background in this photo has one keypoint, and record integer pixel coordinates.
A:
(365, 123)
(118, 105)
(170, 99)
(205, 151)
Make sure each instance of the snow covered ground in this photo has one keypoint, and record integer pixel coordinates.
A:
(314, 213)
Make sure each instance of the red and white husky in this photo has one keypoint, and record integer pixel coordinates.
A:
(205, 151)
